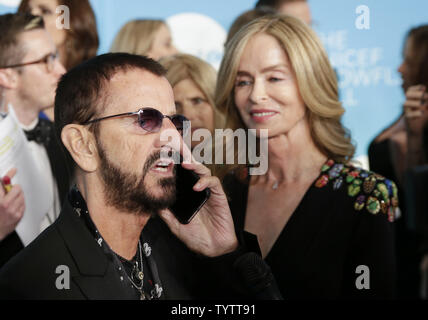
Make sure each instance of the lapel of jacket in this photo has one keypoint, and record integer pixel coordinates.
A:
(95, 276)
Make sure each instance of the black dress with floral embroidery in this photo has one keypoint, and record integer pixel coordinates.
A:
(338, 243)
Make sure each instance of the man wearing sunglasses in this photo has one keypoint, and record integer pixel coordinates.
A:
(112, 113)
(29, 73)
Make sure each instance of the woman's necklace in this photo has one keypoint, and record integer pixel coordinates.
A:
(275, 185)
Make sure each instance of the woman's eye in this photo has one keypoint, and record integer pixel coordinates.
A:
(45, 11)
(198, 100)
(274, 79)
(242, 83)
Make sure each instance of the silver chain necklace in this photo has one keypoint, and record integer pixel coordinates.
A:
(139, 274)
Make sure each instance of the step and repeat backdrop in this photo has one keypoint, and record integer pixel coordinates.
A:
(364, 40)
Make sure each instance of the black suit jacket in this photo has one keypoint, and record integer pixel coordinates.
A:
(61, 165)
(31, 274)
(65, 243)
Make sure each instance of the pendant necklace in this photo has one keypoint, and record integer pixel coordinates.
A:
(138, 273)
(275, 185)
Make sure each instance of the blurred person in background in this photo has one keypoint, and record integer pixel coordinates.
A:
(193, 82)
(150, 38)
(29, 73)
(247, 17)
(78, 43)
(399, 148)
(416, 176)
(295, 8)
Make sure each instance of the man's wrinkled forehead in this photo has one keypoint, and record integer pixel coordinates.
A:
(130, 90)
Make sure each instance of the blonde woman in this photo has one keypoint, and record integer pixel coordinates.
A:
(193, 82)
(151, 38)
(323, 225)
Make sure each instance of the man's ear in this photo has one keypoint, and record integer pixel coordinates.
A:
(81, 145)
(8, 78)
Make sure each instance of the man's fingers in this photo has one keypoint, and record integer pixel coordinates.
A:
(186, 153)
(198, 168)
(210, 182)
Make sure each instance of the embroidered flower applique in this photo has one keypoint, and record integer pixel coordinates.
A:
(370, 190)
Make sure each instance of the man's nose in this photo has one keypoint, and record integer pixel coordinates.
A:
(59, 68)
(168, 138)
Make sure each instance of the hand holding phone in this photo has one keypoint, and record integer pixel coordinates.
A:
(211, 231)
(188, 201)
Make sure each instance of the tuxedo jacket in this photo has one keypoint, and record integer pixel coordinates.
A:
(35, 272)
(61, 166)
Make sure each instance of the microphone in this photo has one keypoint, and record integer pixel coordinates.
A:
(258, 277)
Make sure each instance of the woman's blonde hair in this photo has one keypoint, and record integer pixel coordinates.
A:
(136, 36)
(185, 66)
(316, 81)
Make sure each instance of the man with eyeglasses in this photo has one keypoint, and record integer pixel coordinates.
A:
(115, 115)
(29, 73)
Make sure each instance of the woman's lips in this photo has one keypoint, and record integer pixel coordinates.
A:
(260, 116)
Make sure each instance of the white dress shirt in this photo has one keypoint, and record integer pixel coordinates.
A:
(42, 161)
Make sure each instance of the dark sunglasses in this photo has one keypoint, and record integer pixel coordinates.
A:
(149, 119)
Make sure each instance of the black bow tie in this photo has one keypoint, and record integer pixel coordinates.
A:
(41, 133)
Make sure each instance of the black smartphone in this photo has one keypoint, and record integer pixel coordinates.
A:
(188, 201)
